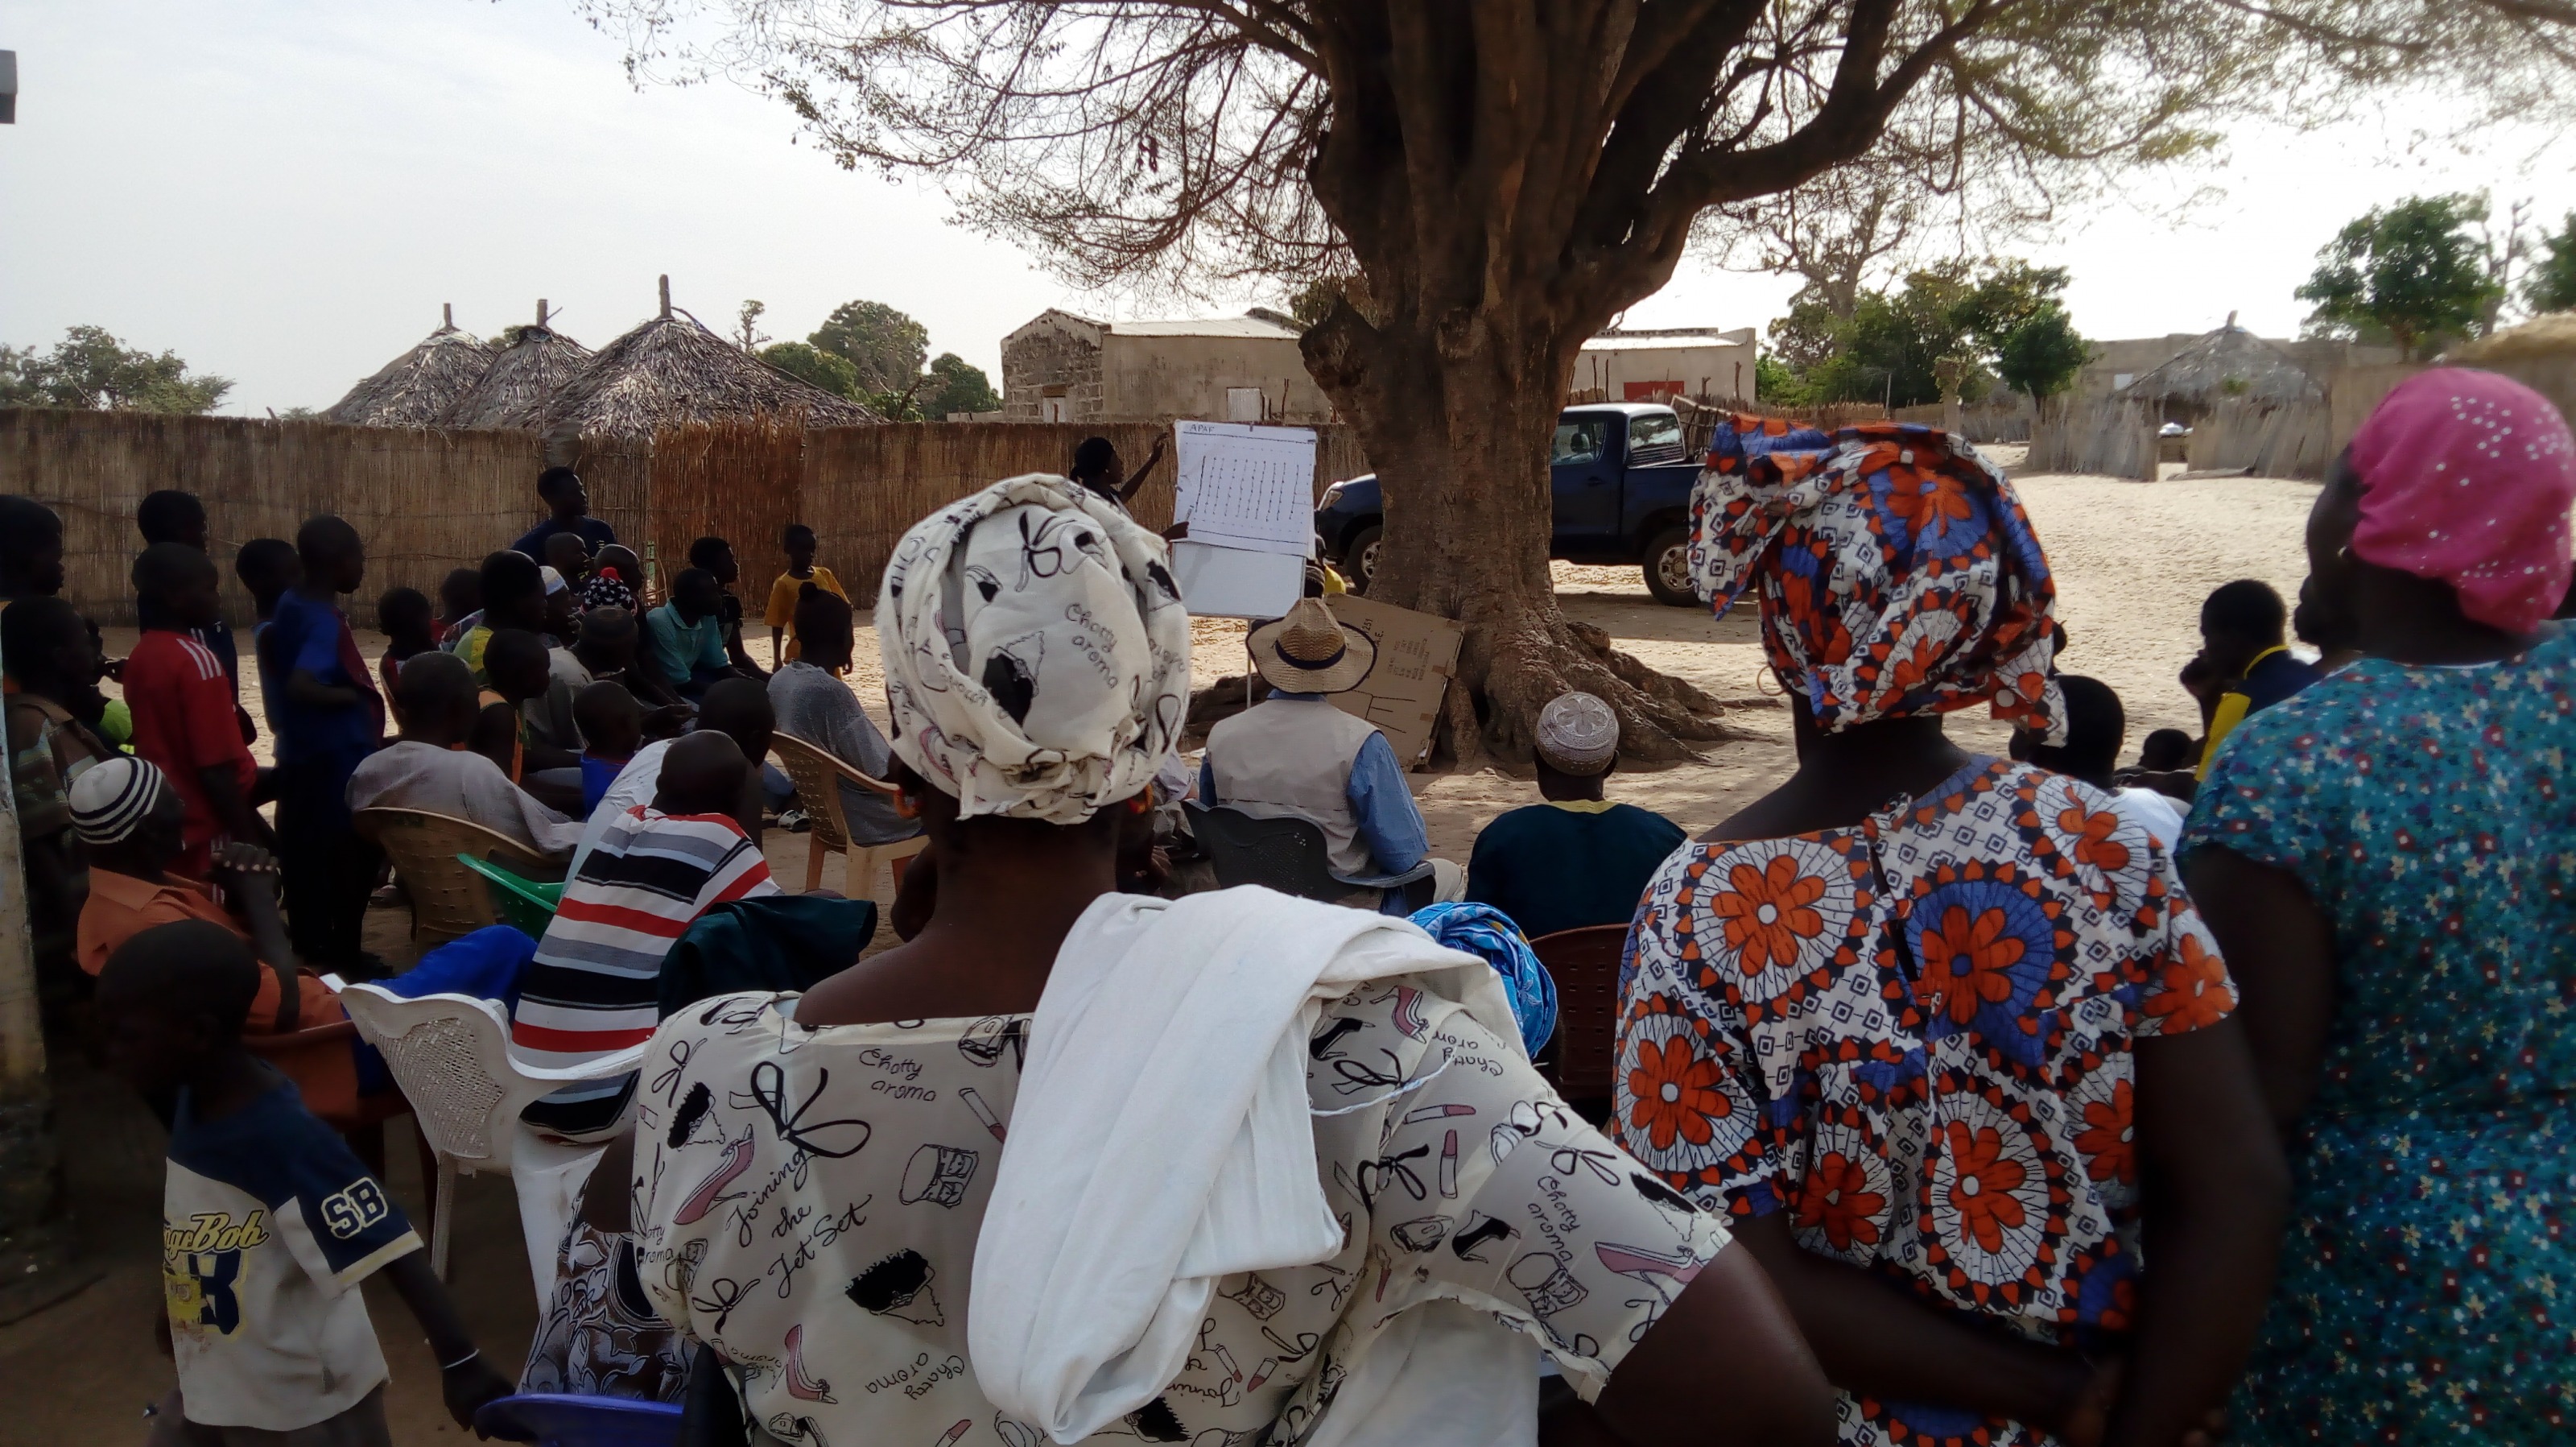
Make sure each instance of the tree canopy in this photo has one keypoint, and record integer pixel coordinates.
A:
(2416, 272)
(1995, 320)
(828, 370)
(882, 345)
(2550, 285)
(91, 369)
(958, 386)
(1506, 178)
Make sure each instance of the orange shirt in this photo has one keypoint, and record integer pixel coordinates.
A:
(122, 906)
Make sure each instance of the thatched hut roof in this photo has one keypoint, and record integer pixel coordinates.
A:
(2229, 363)
(525, 385)
(672, 371)
(416, 388)
(2549, 335)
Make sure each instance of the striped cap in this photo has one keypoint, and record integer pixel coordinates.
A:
(112, 798)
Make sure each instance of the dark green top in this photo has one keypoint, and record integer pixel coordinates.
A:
(1557, 867)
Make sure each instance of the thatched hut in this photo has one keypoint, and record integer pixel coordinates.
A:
(671, 371)
(525, 385)
(416, 388)
(2540, 354)
(2230, 364)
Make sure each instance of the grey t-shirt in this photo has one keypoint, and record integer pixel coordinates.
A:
(821, 710)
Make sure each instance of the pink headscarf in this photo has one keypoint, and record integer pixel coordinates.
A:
(2467, 477)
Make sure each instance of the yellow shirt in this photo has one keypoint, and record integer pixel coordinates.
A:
(781, 612)
(2232, 706)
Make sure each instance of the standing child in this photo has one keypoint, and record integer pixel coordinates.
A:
(183, 706)
(267, 568)
(612, 729)
(798, 544)
(329, 721)
(269, 1223)
(402, 615)
(172, 516)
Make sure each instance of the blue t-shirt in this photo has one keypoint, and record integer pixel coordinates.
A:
(596, 775)
(1564, 866)
(681, 649)
(313, 636)
(268, 1225)
(594, 535)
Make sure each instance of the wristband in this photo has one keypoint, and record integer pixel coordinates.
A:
(460, 1361)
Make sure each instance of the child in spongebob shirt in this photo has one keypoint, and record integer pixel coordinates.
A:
(269, 1223)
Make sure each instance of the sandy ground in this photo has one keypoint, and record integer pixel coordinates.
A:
(2133, 561)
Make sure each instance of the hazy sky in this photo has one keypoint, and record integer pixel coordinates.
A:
(284, 191)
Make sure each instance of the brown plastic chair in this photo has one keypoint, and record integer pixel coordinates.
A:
(819, 774)
(1585, 965)
(448, 900)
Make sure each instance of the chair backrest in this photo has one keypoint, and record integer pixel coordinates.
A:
(1285, 852)
(451, 1055)
(817, 775)
(555, 1420)
(524, 904)
(1585, 963)
(447, 899)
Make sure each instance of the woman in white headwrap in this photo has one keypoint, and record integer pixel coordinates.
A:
(1071, 1162)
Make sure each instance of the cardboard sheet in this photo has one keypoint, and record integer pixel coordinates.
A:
(1417, 655)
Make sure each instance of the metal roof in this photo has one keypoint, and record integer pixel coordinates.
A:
(1202, 327)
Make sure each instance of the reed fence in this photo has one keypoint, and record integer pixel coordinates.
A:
(429, 501)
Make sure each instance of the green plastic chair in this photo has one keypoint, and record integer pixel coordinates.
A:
(522, 903)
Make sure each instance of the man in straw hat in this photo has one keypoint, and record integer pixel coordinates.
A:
(1577, 859)
(1297, 754)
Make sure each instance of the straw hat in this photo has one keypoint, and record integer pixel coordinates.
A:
(1309, 652)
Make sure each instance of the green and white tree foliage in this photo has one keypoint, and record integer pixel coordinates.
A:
(92, 370)
(884, 347)
(2550, 285)
(957, 385)
(2417, 273)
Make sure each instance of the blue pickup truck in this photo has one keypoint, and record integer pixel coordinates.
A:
(1622, 478)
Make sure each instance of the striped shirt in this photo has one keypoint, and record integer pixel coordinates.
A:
(595, 983)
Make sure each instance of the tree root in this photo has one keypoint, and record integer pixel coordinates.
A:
(1662, 719)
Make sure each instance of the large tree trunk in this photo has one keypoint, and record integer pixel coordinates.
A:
(1458, 430)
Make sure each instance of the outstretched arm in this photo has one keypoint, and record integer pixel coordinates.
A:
(1136, 480)
(465, 1380)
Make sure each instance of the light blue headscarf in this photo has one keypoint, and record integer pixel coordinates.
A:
(1487, 932)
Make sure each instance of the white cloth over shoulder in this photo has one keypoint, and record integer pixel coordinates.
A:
(409, 775)
(1162, 1137)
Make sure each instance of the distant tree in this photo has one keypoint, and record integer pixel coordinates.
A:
(91, 369)
(1774, 384)
(1313, 302)
(747, 333)
(2417, 271)
(884, 346)
(2042, 353)
(957, 385)
(827, 370)
(2550, 286)
(1893, 346)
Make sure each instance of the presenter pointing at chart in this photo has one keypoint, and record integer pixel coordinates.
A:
(1095, 466)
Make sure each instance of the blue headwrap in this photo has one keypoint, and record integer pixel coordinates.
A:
(1487, 932)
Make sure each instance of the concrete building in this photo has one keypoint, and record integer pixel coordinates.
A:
(1066, 368)
(2118, 364)
(1649, 365)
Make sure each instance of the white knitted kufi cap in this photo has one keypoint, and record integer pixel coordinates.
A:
(1578, 734)
(113, 797)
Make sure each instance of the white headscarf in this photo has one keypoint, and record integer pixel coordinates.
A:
(1037, 656)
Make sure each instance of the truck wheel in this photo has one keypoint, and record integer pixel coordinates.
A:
(1359, 560)
(1667, 567)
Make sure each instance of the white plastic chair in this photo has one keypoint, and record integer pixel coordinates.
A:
(451, 1055)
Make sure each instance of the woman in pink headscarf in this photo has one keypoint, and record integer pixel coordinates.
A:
(2385, 860)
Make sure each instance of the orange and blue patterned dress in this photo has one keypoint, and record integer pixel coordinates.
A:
(1914, 1037)
(2425, 1288)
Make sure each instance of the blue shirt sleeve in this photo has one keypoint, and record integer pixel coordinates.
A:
(1390, 823)
(1207, 784)
(711, 649)
(316, 641)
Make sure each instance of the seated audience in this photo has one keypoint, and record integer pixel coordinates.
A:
(1420, 1253)
(402, 615)
(591, 989)
(2333, 638)
(687, 635)
(2165, 750)
(2096, 727)
(737, 708)
(2243, 635)
(1297, 754)
(424, 767)
(268, 1222)
(527, 726)
(569, 556)
(460, 605)
(612, 729)
(607, 651)
(616, 580)
(128, 817)
(813, 704)
(183, 706)
(52, 717)
(1577, 859)
(514, 596)
(1938, 1042)
(563, 607)
(716, 556)
(567, 511)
